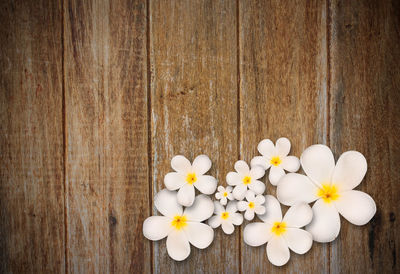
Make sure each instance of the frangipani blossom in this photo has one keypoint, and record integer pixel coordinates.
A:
(225, 218)
(244, 178)
(188, 176)
(254, 204)
(275, 157)
(331, 186)
(224, 194)
(181, 227)
(281, 234)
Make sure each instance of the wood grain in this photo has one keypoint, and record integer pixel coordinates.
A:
(194, 108)
(31, 138)
(365, 116)
(283, 93)
(106, 126)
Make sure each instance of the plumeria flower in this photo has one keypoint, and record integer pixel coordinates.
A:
(281, 234)
(181, 227)
(275, 157)
(244, 178)
(224, 194)
(332, 187)
(188, 176)
(254, 204)
(225, 218)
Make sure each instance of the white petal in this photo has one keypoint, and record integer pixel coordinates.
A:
(325, 225)
(260, 161)
(257, 172)
(291, 163)
(259, 200)
(249, 215)
(200, 235)
(282, 146)
(273, 211)
(227, 227)
(242, 205)
(218, 208)
(218, 195)
(266, 148)
(174, 180)
(242, 167)
(167, 204)
(228, 189)
(294, 188)
(259, 210)
(214, 221)
(201, 209)
(231, 207)
(178, 246)
(206, 184)
(298, 215)
(180, 164)
(277, 251)
(239, 192)
(250, 196)
(233, 179)
(230, 196)
(349, 171)
(201, 164)
(156, 227)
(186, 195)
(256, 234)
(236, 218)
(257, 186)
(223, 201)
(275, 174)
(356, 207)
(221, 189)
(318, 163)
(298, 240)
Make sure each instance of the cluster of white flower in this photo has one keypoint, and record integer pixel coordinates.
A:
(329, 185)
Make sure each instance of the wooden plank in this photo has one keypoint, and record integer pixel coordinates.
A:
(106, 123)
(283, 68)
(31, 142)
(365, 116)
(194, 108)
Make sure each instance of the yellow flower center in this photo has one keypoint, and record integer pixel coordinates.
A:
(279, 228)
(276, 161)
(225, 194)
(246, 180)
(225, 215)
(179, 222)
(191, 178)
(251, 205)
(328, 193)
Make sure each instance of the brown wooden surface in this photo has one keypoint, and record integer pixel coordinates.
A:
(97, 96)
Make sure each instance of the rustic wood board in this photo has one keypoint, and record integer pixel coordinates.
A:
(365, 116)
(106, 128)
(31, 138)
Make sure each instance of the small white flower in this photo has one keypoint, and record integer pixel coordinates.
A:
(224, 194)
(226, 218)
(281, 234)
(181, 227)
(332, 187)
(253, 205)
(275, 157)
(188, 176)
(245, 178)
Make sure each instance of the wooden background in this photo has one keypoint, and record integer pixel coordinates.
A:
(96, 97)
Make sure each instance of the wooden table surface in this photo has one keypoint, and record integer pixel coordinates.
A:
(97, 96)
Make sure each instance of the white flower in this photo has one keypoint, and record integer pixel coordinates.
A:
(281, 234)
(275, 157)
(223, 194)
(243, 178)
(253, 205)
(188, 176)
(180, 227)
(226, 218)
(332, 187)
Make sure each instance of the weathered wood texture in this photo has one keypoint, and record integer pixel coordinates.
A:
(194, 108)
(97, 96)
(107, 188)
(31, 142)
(365, 116)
